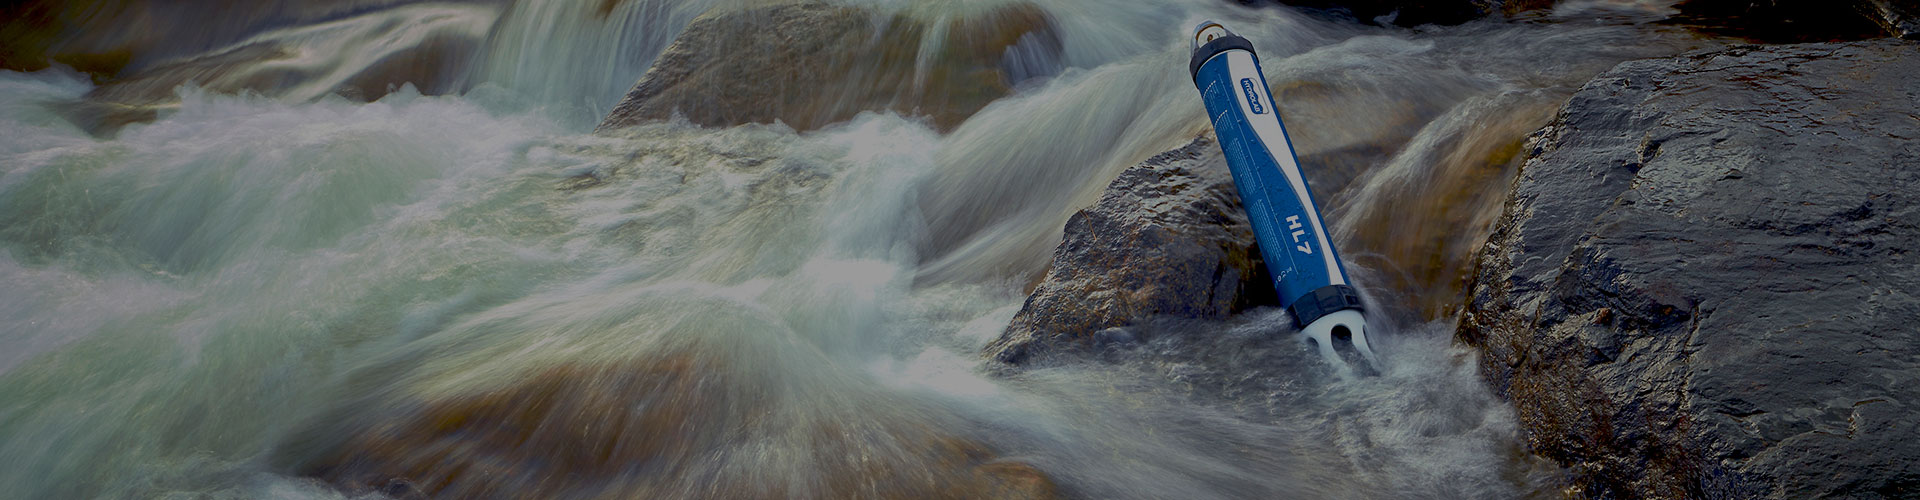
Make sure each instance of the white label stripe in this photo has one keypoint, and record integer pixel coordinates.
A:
(1240, 64)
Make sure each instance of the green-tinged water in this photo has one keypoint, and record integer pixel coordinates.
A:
(269, 296)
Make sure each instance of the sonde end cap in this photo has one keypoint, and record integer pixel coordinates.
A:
(1210, 38)
(1207, 31)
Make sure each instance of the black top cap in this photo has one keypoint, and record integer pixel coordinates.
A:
(1218, 45)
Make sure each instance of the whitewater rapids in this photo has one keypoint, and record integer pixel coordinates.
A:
(217, 302)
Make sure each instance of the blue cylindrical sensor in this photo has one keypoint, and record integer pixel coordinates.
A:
(1307, 272)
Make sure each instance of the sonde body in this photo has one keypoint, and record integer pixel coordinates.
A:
(1307, 272)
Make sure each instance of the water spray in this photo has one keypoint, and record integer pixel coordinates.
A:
(1306, 269)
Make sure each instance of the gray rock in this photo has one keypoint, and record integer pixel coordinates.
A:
(1168, 238)
(1701, 284)
(811, 64)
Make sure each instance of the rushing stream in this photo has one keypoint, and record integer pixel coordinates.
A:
(276, 294)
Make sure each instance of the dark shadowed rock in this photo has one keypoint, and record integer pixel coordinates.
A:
(1413, 12)
(1900, 18)
(811, 64)
(1786, 21)
(1168, 238)
(1703, 284)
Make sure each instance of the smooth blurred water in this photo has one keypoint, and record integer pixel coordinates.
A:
(581, 56)
(221, 301)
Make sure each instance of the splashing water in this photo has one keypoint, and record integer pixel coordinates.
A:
(270, 297)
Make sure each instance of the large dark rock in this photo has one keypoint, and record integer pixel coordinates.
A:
(1168, 238)
(811, 64)
(1703, 285)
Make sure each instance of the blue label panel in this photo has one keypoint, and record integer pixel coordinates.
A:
(1280, 219)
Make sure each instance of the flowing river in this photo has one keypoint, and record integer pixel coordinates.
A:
(291, 294)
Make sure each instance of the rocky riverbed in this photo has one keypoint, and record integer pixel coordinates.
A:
(947, 249)
(1701, 285)
(1698, 287)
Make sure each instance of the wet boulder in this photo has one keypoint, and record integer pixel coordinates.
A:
(1703, 283)
(1167, 238)
(811, 64)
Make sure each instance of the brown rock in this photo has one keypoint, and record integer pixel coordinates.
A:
(665, 426)
(811, 64)
(425, 46)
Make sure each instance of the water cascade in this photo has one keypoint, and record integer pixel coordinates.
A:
(580, 56)
(459, 292)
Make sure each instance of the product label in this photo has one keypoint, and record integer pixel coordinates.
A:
(1253, 98)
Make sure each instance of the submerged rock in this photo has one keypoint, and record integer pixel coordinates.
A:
(811, 64)
(1168, 238)
(676, 425)
(359, 57)
(1702, 283)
